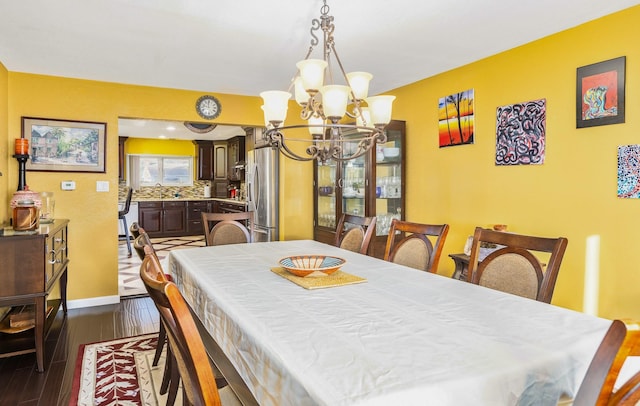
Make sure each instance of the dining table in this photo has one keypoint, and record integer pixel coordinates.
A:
(400, 336)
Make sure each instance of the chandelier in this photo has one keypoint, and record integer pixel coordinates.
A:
(334, 136)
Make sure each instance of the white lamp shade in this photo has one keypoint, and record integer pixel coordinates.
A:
(302, 97)
(312, 73)
(359, 82)
(276, 103)
(334, 100)
(315, 125)
(380, 108)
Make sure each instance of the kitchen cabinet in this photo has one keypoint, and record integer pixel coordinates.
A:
(230, 207)
(163, 218)
(220, 167)
(31, 266)
(194, 216)
(205, 159)
(371, 185)
(236, 157)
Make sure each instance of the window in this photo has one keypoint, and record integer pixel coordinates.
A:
(149, 170)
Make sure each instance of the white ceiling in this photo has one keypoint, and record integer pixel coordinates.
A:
(247, 46)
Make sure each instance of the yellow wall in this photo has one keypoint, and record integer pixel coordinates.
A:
(93, 228)
(159, 147)
(573, 194)
(6, 147)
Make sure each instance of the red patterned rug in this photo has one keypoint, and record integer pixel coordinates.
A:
(118, 372)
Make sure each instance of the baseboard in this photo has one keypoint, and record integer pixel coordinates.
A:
(93, 301)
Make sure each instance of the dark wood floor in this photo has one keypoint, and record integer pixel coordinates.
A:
(21, 384)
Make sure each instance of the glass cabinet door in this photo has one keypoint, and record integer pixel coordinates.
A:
(326, 195)
(354, 185)
(389, 182)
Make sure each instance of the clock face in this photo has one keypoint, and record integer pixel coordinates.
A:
(208, 107)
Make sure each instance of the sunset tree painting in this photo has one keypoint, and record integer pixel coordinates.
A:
(455, 119)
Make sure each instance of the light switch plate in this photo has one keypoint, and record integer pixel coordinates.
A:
(68, 185)
(102, 186)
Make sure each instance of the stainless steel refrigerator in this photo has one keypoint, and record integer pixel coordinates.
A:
(262, 192)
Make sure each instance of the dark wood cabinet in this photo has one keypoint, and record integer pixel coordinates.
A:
(177, 218)
(230, 207)
(150, 217)
(163, 218)
(174, 222)
(31, 266)
(204, 155)
(371, 185)
(194, 217)
(236, 158)
(220, 167)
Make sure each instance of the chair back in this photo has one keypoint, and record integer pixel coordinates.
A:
(142, 241)
(127, 204)
(354, 233)
(622, 340)
(512, 267)
(134, 229)
(227, 228)
(411, 244)
(198, 379)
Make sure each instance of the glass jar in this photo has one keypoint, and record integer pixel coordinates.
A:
(48, 207)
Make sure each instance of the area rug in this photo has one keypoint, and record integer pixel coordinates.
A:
(119, 372)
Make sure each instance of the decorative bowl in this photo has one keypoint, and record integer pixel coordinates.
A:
(391, 152)
(304, 265)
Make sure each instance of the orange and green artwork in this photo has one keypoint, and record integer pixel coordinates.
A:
(455, 119)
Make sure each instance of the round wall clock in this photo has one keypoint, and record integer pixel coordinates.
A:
(208, 107)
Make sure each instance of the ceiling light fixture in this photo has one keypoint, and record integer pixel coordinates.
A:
(200, 128)
(324, 107)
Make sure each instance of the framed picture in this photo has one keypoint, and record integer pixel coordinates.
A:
(65, 145)
(456, 125)
(600, 93)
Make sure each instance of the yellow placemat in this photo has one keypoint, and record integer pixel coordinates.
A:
(337, 278)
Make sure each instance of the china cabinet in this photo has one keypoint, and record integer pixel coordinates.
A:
(372, 185)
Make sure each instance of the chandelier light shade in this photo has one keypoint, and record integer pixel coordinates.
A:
(329, 109)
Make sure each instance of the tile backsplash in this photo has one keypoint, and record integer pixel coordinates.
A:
(152, 192)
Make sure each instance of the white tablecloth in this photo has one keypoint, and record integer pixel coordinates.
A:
(404, 337)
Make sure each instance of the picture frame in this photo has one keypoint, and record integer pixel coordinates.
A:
(600, 93)
(65, 145)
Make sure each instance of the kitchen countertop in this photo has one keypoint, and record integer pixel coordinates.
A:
(184, 199)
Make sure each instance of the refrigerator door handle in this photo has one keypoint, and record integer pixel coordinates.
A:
(251, 187)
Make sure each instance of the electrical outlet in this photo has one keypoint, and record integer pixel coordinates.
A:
(68, 185)
(102, 186)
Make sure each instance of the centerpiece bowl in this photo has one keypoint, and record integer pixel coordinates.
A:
(305, 265)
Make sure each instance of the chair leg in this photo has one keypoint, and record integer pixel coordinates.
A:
(162, 338)
(174, 379)
(126, 235)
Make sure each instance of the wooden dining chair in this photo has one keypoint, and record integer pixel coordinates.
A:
(354, 233)
(513, 267)
(416, 245)
(152, 270)
(199, 383)
(140, 242)
(227, 228)
(598, 387)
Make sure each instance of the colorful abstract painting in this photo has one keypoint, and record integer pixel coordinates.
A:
(520, 133)
(629, 171)
(455, 119)
(600, 93)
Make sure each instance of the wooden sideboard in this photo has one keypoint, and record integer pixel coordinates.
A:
(31, 266)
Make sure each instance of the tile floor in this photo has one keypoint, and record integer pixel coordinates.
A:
(129, 283)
